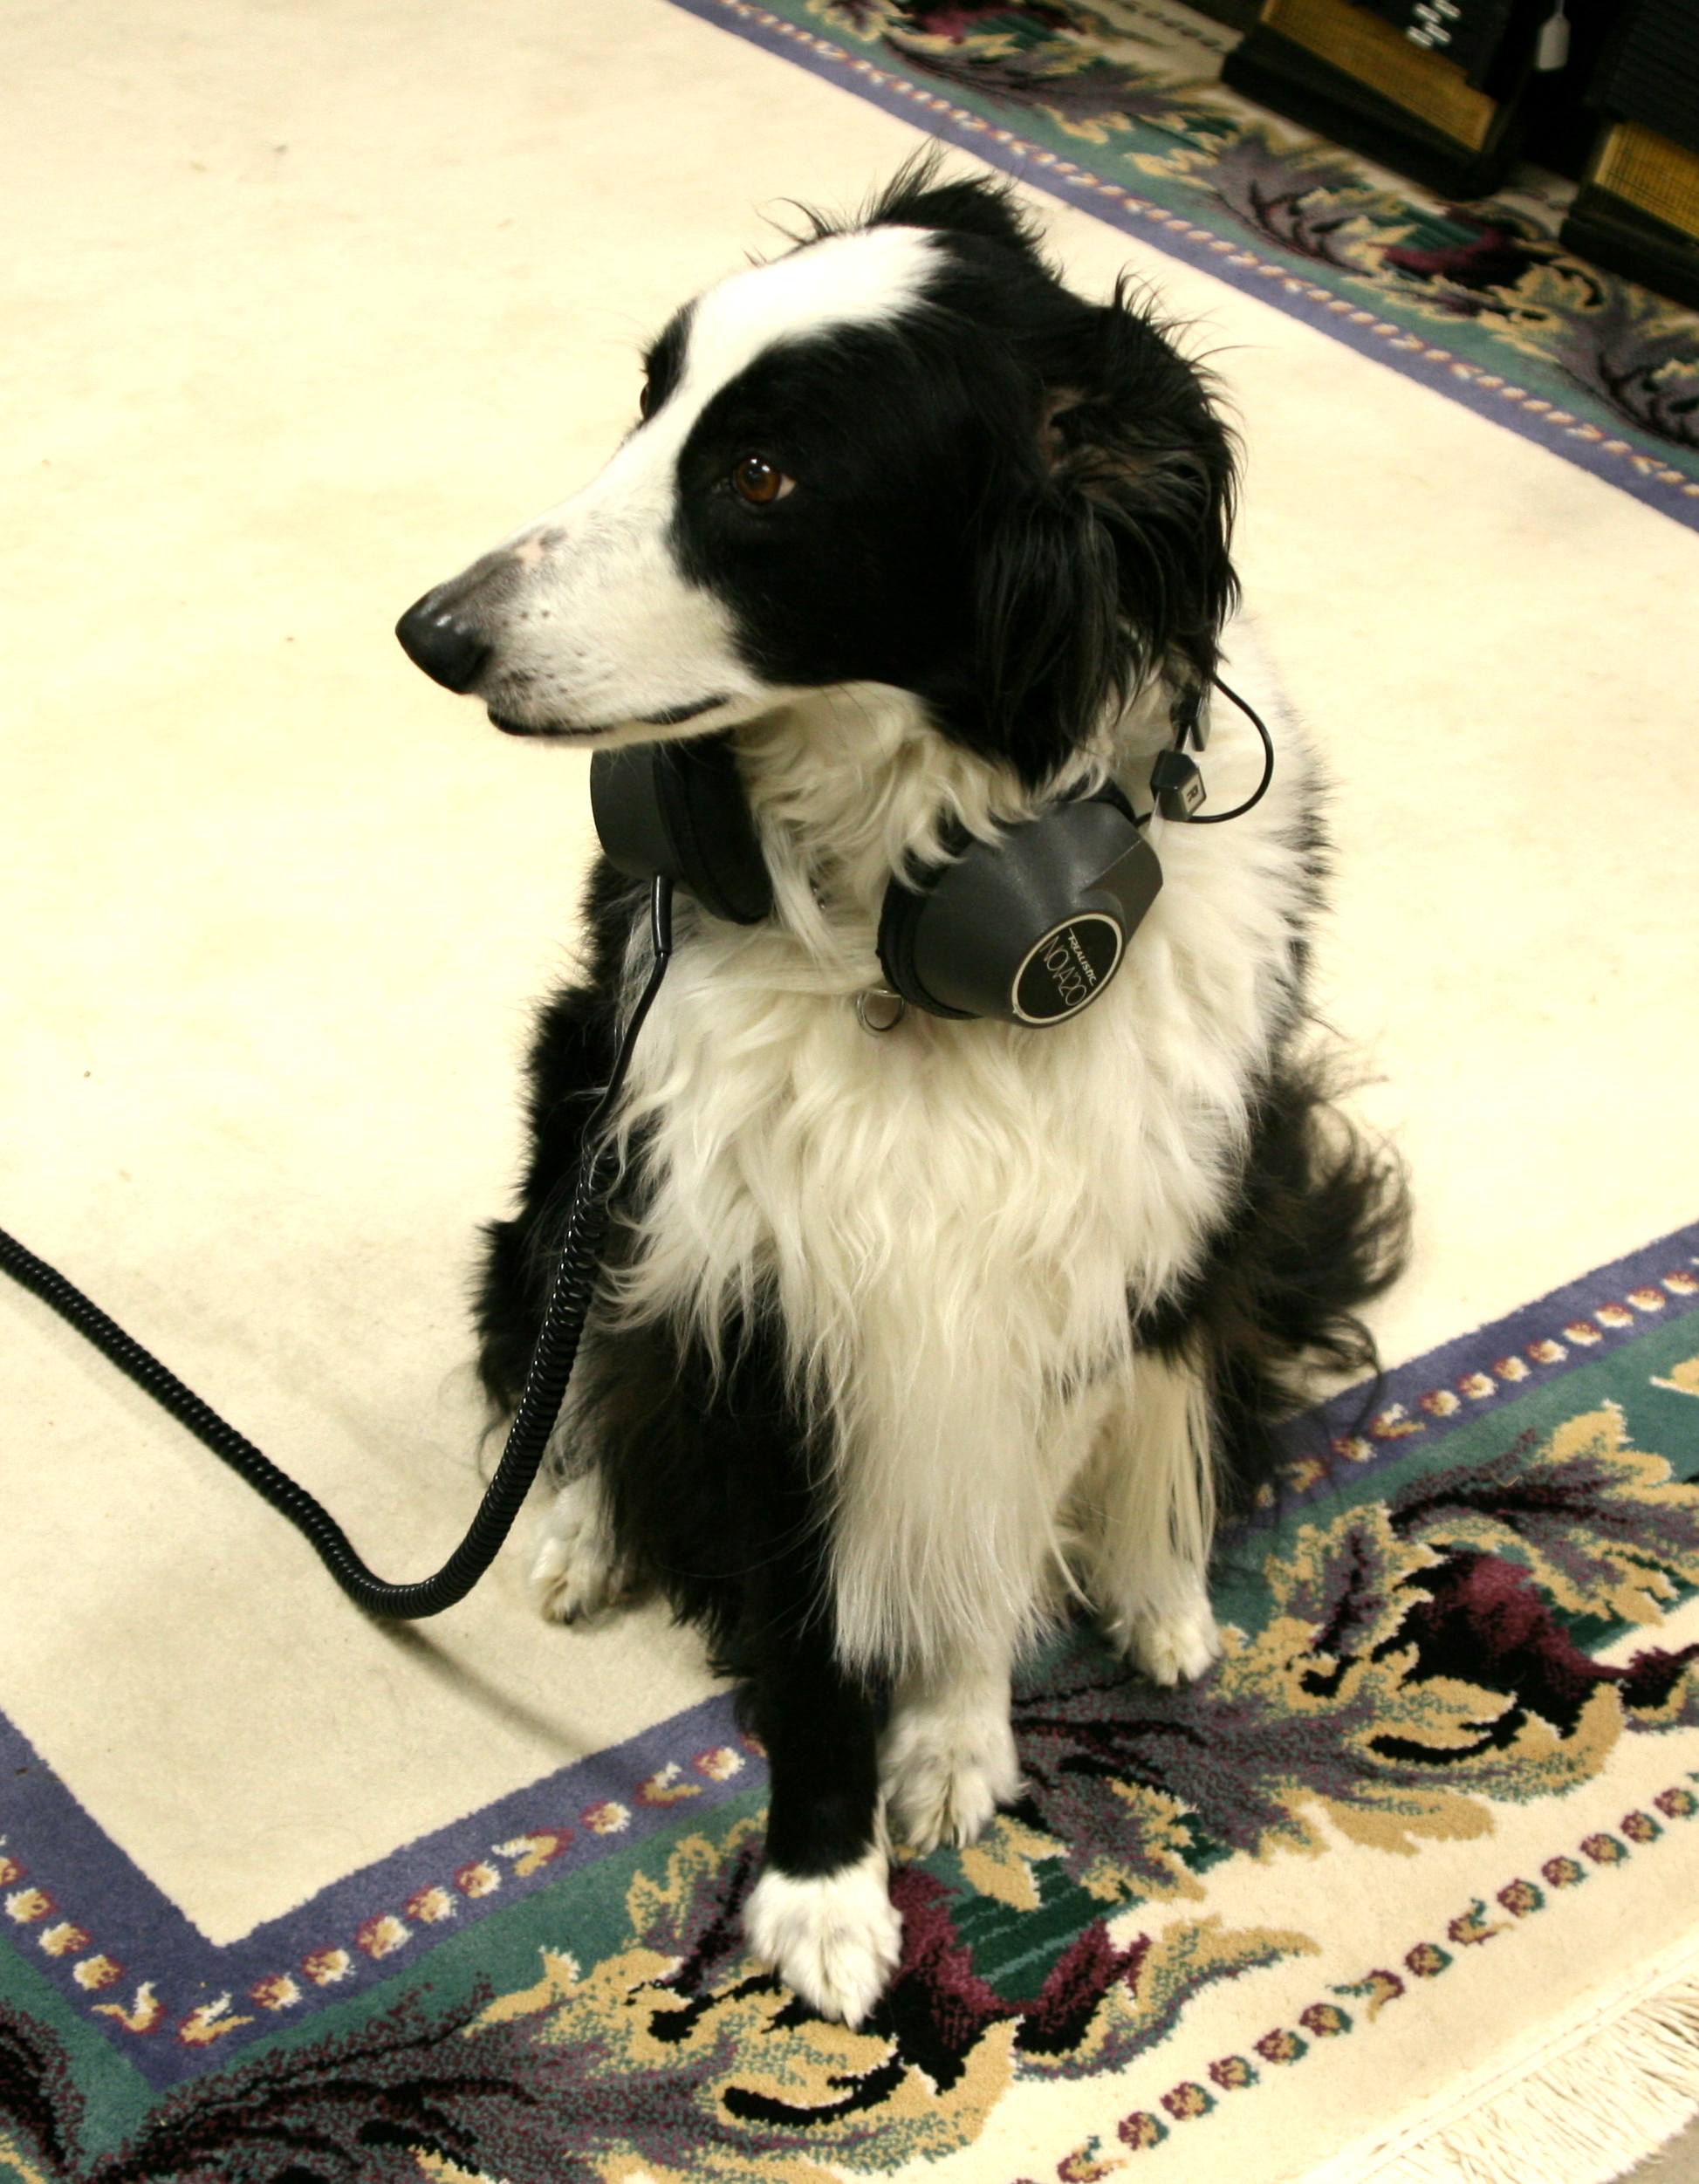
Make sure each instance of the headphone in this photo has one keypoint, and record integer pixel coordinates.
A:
(1030, 926)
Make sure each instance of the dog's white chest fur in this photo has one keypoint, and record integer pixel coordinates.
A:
(950, 1218)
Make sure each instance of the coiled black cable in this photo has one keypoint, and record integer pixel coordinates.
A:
(550, 1367)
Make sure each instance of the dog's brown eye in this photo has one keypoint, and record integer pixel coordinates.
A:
(646, 401)
(759, 482)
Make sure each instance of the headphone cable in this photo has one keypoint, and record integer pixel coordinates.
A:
(571, 1291)
(1218, 818)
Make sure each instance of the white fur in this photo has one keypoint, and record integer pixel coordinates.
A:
(833, 1939)
(1144, 1513)
(576, 1572)
(1175, 1644)
(946, 1760)
(953, 1218)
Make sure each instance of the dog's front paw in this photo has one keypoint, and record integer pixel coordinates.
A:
(944, 1772)
(833, 1939)
(576, 1572)
(1171, 1647)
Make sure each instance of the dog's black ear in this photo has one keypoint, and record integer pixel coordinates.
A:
(1049, 650)
(1111, 564)
(964, 205)
(1146, 446)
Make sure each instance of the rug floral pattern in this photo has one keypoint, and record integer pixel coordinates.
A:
(1451, 1621)
(1599, 367)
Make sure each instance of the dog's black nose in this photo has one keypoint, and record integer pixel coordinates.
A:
(434, 637)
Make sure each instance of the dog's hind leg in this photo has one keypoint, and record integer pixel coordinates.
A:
(576, 1569)
(1144, 1515)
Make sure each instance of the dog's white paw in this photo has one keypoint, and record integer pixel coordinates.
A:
(1170, 1648)
(945, 1771)
(575, 1571)
(833, 1939)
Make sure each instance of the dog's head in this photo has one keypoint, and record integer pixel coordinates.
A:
(902, 453)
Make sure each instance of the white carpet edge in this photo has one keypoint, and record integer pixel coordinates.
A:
(1618, 2081)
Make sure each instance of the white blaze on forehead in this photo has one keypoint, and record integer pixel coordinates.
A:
(863, 278)
(867, 277)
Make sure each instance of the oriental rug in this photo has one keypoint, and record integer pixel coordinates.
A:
(1424, 1842)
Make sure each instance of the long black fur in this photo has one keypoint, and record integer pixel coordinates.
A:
(1062, 533)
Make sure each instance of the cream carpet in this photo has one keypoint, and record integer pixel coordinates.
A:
(304, 306)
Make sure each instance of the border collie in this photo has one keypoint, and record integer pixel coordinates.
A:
(904, 1340)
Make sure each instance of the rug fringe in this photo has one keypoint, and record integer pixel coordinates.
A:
(1624, 2084)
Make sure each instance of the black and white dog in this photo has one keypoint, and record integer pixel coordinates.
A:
(903, 1339)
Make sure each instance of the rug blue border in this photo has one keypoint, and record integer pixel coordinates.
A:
(70, 1855)
(938, 115)
(65, 1852)
(1469, 1358)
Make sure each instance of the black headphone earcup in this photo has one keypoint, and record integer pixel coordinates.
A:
(677, 811)
(899, 920)
(1029, 927)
